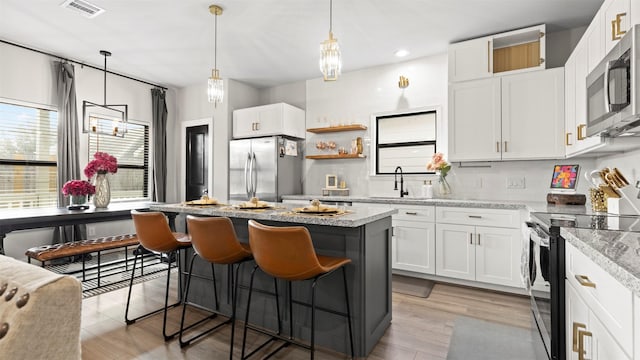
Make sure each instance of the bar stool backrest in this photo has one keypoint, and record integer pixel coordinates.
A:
(284, 252)
(153, 231)
(214, 239)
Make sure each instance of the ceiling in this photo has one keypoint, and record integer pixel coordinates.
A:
(267, 42)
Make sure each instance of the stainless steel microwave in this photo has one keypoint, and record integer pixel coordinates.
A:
(613, 99)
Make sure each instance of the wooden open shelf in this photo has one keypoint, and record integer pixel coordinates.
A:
(331, 129)
(335, 156)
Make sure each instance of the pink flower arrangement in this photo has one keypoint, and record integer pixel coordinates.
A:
(438, 163)
(78, 187)
(102, 163)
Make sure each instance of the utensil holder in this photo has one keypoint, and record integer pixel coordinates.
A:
(598, 200)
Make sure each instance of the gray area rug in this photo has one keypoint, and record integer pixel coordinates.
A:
(482, 340)
(411, 286)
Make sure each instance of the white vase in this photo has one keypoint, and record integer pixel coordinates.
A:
(102, 196)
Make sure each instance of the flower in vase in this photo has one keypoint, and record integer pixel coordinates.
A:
(102, 163)
(438, 163)
(78, 188)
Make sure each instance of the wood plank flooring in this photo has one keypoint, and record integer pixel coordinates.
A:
(421, 328)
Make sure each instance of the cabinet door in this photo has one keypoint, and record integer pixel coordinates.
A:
(474, 120)
(570, 104)
(576, 319)
(498, 253)
(595, 41)
(244, 121)
(582, 142)
(413, 246)
(533, 115)
(471, 59)
(603, 345)
(455, 251)
(616, 22)
(269, 121)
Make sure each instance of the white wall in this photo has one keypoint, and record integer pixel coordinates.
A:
(27, 76)
(293, 94)
(193, 106)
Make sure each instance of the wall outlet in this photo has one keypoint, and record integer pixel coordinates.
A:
(91, 230)
(515, 182)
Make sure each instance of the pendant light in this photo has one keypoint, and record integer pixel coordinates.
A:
(330, 57)
(105, 119)
(215, 85)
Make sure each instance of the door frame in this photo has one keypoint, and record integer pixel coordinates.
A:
(183, 154)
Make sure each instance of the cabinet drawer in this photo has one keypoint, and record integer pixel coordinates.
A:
(415, 213)
(609, 300)
(477, 216)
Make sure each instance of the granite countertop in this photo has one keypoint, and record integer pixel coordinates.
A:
(488, 204)
(617, 252)
(282, 212)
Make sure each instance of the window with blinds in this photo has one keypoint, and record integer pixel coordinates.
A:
(405, 140)
(28, 152)
(132, 151)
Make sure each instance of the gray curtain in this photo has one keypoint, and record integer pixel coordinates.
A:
(68, 144)
(159, 112)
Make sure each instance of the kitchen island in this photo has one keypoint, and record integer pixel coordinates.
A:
(363, 235)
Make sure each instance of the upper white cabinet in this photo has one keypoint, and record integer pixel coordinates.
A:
(474, 120)
(518, 50)
(515, 117)
(472, 59)
(266, 120)
(616, 16)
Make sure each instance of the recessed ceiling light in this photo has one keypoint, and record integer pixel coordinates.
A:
(401, 53)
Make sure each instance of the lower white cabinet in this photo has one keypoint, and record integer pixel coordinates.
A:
(585, 333)
(413, 242)
(486, 254)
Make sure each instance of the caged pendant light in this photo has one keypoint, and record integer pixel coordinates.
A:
(215, 85)
(330, 57)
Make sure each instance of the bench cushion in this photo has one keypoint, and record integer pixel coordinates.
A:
(56, 251)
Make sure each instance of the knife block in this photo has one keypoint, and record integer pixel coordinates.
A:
(627, 204)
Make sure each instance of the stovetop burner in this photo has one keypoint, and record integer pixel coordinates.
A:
(612, 222)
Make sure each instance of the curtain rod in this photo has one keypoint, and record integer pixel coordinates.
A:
(80, 63)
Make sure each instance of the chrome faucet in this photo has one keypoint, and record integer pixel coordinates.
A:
(395, 182)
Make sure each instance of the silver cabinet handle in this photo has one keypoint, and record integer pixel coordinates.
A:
(411, 213)
(470, 238)
(478, 239)
(475, 216)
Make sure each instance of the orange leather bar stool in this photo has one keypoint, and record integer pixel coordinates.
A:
(287, 253)
(214, 240)
(155, 235)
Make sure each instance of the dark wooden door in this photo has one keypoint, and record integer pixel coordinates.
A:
(197, 161)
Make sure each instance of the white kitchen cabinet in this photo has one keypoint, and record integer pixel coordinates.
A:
(413, 241)
(513, 51)
(479, 244)
(617, 21)
(585, 332)
(570, 89)
(609, 302)
(515, 117)
(533, 115)
(474, 120)
(472, 59)
(267, 120)
(594, 39)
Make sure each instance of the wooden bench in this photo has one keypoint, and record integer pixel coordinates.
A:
(80, 248)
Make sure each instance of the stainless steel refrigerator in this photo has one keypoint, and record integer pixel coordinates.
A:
(266, 168)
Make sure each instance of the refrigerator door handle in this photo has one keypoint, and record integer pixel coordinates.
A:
(254, 176)
(247, 180)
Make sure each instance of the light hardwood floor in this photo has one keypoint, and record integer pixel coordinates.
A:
(421, 328)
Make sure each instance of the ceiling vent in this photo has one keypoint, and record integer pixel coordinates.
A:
(83, 7)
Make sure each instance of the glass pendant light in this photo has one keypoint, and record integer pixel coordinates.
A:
(330, 57)
(215, 85)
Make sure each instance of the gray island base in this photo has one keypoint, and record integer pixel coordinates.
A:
(364, 236)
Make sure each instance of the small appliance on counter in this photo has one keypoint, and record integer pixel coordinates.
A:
(564, 182)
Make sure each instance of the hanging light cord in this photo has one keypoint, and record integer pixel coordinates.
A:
(330, 16)
(215, 42)
(105, 79)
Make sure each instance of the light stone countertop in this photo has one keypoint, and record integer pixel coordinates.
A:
(617, 252)
(282, 212)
